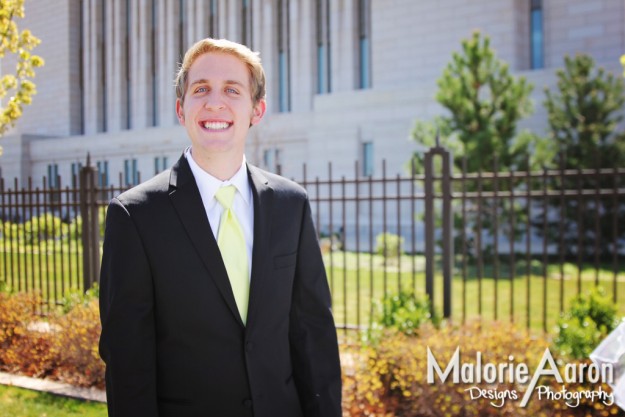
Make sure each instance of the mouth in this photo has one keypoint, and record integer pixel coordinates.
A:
(215, 126)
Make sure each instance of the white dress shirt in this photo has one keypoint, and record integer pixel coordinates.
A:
(242, 206)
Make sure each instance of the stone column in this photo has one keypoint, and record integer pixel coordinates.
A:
(302, 50)
(116, 68)
(93, 66)
(343, 44)
(167, 47)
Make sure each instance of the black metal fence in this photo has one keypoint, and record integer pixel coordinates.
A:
(512, 246)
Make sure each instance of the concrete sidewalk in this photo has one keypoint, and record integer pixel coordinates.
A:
(53, 387)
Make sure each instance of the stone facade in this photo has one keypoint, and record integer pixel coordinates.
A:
(107, 86)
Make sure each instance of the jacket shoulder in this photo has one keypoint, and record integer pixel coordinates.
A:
(282, 184)
(147, 191)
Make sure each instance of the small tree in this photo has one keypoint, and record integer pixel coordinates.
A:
(584, 114)
(485, 104)
(15, 84)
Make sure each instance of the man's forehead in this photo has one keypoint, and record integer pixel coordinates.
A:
(229, 70)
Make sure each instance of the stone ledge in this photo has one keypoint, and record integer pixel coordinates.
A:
(53, 387)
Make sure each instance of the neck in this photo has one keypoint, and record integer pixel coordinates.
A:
(220, 166)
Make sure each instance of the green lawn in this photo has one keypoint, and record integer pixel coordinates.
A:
(52, 268)
(358, 278)
(17, 402)
(353, 289)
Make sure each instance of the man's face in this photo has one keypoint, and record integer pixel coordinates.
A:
(218, 109)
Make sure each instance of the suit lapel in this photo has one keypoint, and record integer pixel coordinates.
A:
(263, 200)
(187, 202)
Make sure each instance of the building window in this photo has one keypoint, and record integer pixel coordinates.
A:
(76, 168)
(536, 34)
(103, 62)
(246, 23)
(131, 174)
(53, 176)
(127, 59)
(160, 164)
(323, 46)
(153, 52)
(364, 44)
(367, 159)
(103, 173)
(284, 94)
(212, 19)
(81, 67)
(271, 159)
(181, 25)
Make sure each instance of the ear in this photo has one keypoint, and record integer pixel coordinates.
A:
(258, 111)
(179, 111)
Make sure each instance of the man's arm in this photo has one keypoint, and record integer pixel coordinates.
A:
(314, 347)
(127, 343)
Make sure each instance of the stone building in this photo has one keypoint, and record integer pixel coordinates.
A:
(346, 78)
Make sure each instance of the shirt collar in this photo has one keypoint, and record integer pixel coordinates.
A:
(209, 185)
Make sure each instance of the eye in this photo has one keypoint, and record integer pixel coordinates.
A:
(201, 90)
(231, 90)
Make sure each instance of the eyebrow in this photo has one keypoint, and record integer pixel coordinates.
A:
(227, 82)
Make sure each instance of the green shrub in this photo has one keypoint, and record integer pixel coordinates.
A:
(404, 312)
(588, 320)
(79, 298)
(44, 227)
(389, 245)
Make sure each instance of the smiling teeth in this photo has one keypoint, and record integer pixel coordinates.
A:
(216, 125)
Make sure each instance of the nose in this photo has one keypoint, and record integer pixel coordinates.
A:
(214, 102)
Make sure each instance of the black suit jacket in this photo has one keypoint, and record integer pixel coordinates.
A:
(172, 338)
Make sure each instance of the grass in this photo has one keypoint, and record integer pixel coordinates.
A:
(18, 402)
(533, 301)
(52, 268)
(358, 279)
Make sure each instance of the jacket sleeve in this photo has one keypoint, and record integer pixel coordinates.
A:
(127, 342)
(313, 338)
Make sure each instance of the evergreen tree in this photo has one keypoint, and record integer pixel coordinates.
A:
(584, 115)
(485, 104)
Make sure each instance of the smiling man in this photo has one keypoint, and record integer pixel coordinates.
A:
(214, 299)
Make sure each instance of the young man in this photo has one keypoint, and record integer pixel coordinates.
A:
(214, 299)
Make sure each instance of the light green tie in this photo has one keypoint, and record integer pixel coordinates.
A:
(233, 250)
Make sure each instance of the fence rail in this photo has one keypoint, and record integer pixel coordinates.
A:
(512, 246)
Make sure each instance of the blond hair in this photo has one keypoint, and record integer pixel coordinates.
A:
(247, 56)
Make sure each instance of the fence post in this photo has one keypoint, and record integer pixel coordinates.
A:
(430, 224)
(90, 225)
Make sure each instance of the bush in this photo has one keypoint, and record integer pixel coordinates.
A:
(78, 361)
(39, 228)
(61, 346)
(587, 322)
(79, 298)
(389, 245)
(390, 379)
(23, 348)
(404, 312)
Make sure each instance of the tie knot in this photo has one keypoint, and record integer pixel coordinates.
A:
(225, 195)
